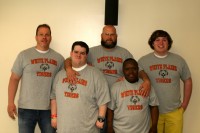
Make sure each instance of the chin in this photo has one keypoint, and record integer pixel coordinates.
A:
(131, 80)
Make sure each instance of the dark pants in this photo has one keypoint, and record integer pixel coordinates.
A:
(27, 120)
(104, 130)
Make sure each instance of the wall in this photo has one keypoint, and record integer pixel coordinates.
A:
(83, 20)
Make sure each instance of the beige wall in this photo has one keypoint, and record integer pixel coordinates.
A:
(83, 20)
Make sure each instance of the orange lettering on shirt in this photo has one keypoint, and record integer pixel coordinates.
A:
(134, 107)
(44, 60)
(44, 74)
(110, 71)
(109, 58)
(71, 95)
(79, 81)
(163, 80)
(131, 93)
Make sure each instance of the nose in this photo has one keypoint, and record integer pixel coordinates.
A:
(78, 54)
(160, 42)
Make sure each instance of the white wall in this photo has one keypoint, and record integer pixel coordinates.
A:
(83, 20)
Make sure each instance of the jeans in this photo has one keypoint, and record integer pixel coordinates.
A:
(28, 118)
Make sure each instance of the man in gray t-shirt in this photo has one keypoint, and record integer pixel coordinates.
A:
(128, 111)
(35, 67)
(80, 107)
(166, 70)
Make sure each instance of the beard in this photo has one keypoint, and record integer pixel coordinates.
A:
(108, 46)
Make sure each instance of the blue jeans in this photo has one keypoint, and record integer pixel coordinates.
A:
(27, 120)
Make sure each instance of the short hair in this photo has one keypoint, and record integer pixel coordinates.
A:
(43, 25)
(82, 44)
(160, 33)
(130, 59)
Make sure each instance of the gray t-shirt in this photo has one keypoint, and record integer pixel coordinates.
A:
(165, 74)
(109, 61)
(37, 71)
(131, 109)
(78, 105)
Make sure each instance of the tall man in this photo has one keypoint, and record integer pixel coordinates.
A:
(36, 68)
(80, 107)
(165, 70)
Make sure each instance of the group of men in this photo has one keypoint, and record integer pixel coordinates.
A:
(90, 95)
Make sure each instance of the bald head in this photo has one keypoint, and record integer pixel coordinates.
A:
(109, 28)
(109, 37)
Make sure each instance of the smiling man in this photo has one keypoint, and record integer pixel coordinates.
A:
(165, 70)
(128, 111)
(36, 67)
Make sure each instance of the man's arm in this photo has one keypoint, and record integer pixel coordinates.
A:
(154, 118)
(110, 116)
(12, 90)
(53, 113)
(187, 93)
(71, 74)
(102, 114)
(146, 85)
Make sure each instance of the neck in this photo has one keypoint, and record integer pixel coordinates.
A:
(41, 48)
(79, 68)
(42, 51)
(161, 55)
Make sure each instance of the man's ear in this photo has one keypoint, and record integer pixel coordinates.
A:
(71, 54)
(101, 35)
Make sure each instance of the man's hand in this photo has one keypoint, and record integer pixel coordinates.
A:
(54, 123)
(71, 75)
(145, 87)
(12, 111)
(99, 124)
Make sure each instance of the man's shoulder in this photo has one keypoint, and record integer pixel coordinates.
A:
(174, 55)
(94, 48)
(118, 84)
(93, 69)
(56, 53)
(120, 47)
(149, 55)
(122, 50)
(27, 51)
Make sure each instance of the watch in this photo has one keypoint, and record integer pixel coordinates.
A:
(101, 119)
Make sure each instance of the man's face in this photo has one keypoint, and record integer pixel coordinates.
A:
(130, 70)
(43, 38)
(161, 46)
(109, 38)
(79, 56)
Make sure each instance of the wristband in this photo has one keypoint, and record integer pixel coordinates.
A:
(53, 116)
